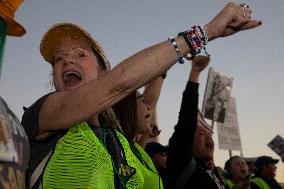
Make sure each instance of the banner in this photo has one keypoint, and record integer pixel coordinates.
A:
(216, 97)
(277, 145)
(228, 132)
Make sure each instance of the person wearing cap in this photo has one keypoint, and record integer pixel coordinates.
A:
(264, 177)
(14, 144)
(237, 173)
(76, 140)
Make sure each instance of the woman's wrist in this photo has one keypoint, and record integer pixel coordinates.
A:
(210, 31)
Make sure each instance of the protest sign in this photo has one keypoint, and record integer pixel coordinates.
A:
(228, 132)
(277, 145)
(217, 94)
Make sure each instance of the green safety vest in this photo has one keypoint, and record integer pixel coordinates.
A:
(260, 183)
(229, 183)
(81, 161)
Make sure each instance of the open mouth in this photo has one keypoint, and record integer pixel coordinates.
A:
(209, 146)
(71, 78)
(147, 116)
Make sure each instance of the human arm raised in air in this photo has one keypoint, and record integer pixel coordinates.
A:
(64, 109)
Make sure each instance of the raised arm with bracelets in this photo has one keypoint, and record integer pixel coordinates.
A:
(131, 74)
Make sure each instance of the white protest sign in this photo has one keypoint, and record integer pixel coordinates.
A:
(228, 132)
(217, 94)
(277, 145)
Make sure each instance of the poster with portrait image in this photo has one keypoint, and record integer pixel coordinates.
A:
(216, 96)
(228, 132)
(277, 145)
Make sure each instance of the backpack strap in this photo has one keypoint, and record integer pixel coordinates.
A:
(186, 174)
(38, 171)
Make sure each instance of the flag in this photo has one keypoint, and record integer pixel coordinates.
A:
(3, 29)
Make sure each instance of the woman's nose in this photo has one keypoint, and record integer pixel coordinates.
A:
(68, 60)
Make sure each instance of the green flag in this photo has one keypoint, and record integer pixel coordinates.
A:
(3, 29)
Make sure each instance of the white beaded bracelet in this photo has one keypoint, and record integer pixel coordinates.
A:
(174, 45)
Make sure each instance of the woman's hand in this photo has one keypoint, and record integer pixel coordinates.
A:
(232, 19)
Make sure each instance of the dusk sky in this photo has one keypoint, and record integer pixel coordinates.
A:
(254, 58)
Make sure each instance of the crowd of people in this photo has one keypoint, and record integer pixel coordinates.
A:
(94, 130)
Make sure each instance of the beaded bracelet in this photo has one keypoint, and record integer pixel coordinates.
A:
(188, 42)
(179, 55)
(196, 39)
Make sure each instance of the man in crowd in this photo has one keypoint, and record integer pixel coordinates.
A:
(191, 144)
(265, 174)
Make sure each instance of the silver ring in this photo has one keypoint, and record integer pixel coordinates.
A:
(246, 6)
(244, 14)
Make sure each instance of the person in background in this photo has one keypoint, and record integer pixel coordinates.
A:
(158, 154)
(138, 124)
(75, 128)
(237, 173)
(149, 98)
(251, 165)
(264, 177)
(14, 144)
(191, 144)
